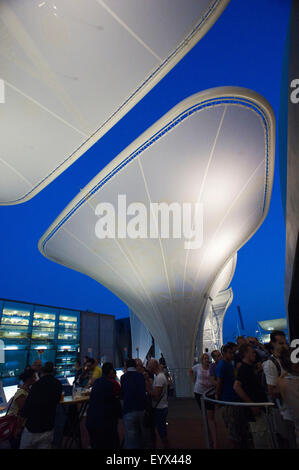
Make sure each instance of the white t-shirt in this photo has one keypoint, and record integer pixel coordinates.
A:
(161, 381)
(202, 383)
(272, 376)
(271, 372)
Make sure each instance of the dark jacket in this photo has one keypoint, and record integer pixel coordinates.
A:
(40, 405)
(133, 391)
(104, 408)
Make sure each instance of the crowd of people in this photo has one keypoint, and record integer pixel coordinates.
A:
(250, 372)
(139, 399)
(245, 372)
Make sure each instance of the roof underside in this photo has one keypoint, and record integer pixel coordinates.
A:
(277, 324)
(62, 64)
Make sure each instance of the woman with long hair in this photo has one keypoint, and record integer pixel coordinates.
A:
(28, 377)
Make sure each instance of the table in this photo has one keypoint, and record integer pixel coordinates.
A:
(83, 401)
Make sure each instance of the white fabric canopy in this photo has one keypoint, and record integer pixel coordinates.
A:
(213, 325)
(72, 69)
(141, 337)
(210, 328)
(215, 148)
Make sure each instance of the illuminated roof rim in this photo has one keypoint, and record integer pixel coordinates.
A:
(218, 96)
(198, 32)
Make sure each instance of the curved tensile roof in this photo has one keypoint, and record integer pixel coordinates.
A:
(72, 70)
(215, 148)
(220, 286)
(212, 337)
(140, 337)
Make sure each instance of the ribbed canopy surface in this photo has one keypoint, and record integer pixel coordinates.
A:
(210, 330)
(213, 325)
(215, 148)
(72, 69)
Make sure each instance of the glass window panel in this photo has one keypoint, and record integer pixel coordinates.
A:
(62, 348)
(16, 309)
(47, 333)
(67, 336)
(16, 313)
(65, 359)
(47, 356)
(44, 323)
(13, 320)
(17, 331)
(42, 343)
(15, 363)
(68, 330)
(67, 318)
(44, 316)
(13, 344)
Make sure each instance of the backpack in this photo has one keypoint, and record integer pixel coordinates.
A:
(8, 424)
(276, 363)
(271, 358)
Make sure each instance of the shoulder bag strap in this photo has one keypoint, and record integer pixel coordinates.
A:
(277, 365)
(162, 395)
(11, 402)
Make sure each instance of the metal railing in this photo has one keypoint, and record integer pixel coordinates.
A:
(266, 405)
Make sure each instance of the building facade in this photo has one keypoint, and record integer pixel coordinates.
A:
(32, 331)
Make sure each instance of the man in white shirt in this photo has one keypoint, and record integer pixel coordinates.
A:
(273, 370)
(159, 400)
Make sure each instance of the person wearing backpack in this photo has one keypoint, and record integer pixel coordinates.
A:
(40, 410)
(273, 369)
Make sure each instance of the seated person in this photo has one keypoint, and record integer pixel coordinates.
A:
(78, 372)
(28, 377)
(94, 372)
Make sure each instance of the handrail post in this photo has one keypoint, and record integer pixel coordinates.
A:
(270, 427)
(205, 422)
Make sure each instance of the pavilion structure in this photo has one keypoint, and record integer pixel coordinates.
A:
(141, 338)
(212, 154)
(210, 331)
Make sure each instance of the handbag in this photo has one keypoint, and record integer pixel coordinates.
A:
(8, 425)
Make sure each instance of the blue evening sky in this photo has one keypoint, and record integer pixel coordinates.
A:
(244, 48)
